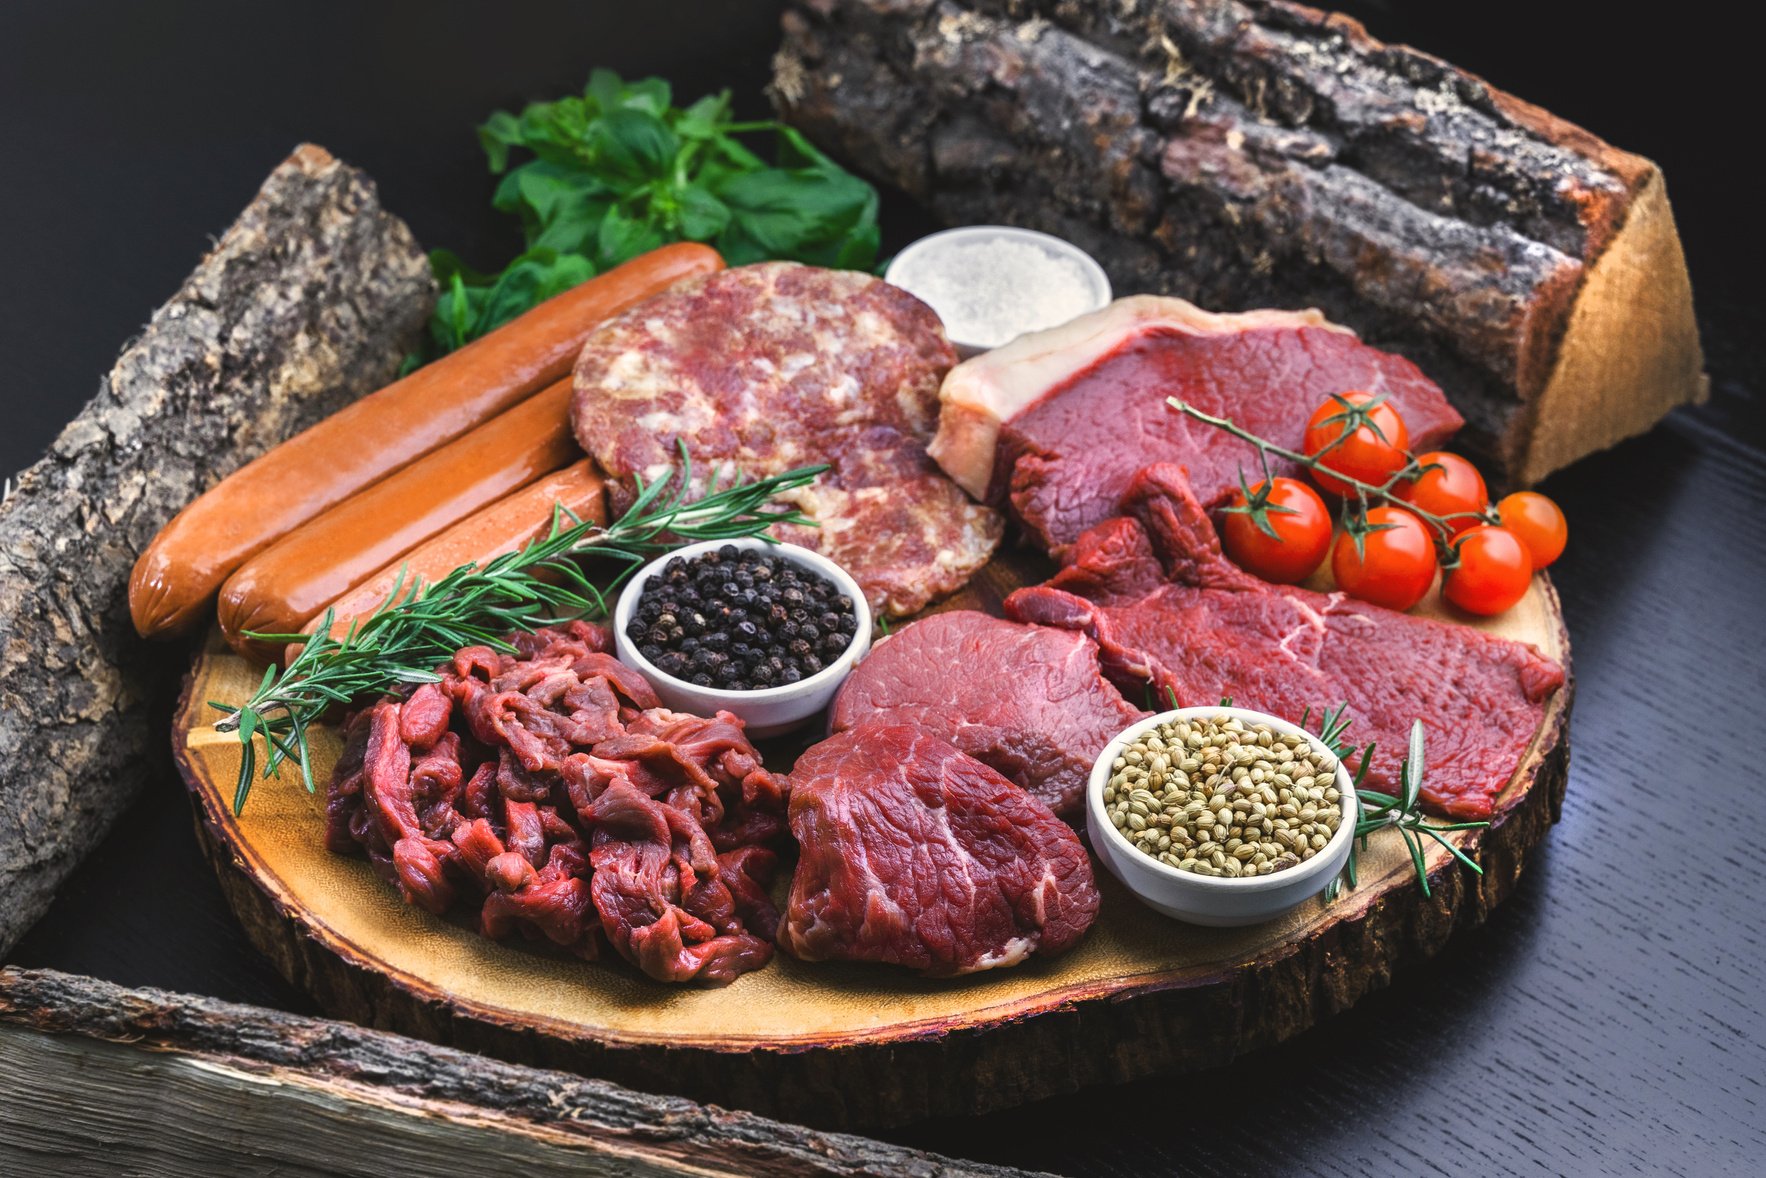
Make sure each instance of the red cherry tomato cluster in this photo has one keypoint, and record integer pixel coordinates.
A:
(1411, 516)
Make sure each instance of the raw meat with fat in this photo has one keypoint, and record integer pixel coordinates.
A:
(914, 854)
(1055, 424)
(1027, 701)
(777, 365)
(1165, 606)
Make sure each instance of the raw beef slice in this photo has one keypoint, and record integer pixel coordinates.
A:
(915, 854)
(1166, 606)
(1026, 701)
(778, 365)
(1057, 423)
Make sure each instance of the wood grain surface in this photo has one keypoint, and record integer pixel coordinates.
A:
(847, 1044)
(1607, 1018)
(200, 1086)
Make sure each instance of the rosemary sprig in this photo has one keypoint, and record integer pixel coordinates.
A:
(1376, 810)
(418, 627)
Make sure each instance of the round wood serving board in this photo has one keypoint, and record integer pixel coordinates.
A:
(847, 1045)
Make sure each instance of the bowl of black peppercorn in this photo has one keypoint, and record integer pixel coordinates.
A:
(765, 631)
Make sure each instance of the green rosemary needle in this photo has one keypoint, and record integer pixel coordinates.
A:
(419, 627)
(1376, 810)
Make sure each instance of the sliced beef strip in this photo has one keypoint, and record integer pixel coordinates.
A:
(1027, 701)
(915, 854)
(777, 365)
(1167, 607)
(1056, 423)
(546, 788)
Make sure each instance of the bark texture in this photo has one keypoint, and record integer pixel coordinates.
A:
(306, 302)
(186, 1085)
(1258, 153)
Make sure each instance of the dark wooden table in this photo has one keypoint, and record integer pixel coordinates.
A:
(1608, 1019)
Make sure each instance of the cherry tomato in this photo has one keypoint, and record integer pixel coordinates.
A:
(1304, 532)
(1538, 522)
(1493, 572)
(1365, 455)
(1396, 565)
(1454, 488)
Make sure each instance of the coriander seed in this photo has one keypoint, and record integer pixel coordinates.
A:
(1246, 800)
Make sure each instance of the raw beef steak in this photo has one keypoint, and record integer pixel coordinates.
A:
(1027, 701)
(914, 854)
(1166, 606)
(1056, 423)
(778, 365)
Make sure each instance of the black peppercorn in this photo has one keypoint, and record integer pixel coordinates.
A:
(741, 619)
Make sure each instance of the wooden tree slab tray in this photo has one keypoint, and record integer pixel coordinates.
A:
(847, 1045)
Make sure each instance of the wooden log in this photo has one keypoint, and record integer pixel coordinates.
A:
(98, 1079)
(306, 303)
(1253, 153)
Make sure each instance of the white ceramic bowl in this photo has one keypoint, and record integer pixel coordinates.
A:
(1213, 899)
(767, 711)
(901, 267)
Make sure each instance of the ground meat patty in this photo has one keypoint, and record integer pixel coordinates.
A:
(780, 365)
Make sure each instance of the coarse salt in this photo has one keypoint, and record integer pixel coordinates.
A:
(992, 290)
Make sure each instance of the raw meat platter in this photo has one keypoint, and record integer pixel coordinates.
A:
(721, 679)
(845, 1044)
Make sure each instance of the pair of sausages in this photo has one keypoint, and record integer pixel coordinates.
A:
(354, 452)
(503, 527)
(294, 579)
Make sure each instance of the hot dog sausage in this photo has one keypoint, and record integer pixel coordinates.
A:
(276, 591)
(502, 527)
(359, 445)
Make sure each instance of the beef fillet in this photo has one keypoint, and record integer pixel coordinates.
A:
(1166, 606)
(915, 854)
(1056, 423)
(1027, 701)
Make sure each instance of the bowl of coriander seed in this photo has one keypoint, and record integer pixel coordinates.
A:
(1219, 815)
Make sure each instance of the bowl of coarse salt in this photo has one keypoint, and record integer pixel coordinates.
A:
(992, 283)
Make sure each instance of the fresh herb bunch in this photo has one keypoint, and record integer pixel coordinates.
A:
(419, 626)
(1376, 810)
(621, 171)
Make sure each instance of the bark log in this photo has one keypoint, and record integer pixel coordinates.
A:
(95, 1078)
(307, 302)
(1256, 153)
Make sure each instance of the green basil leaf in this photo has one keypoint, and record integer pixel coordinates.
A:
(554, 131)
(540, 191)
(705, 118)
(702, 215)
(497, 135)
(653, 96)
(632, 146)
(806, 215)
(623, 237)
(576, 230)
(604, 90)
(532, 278)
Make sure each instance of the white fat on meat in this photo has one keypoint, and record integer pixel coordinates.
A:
(983, 392)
